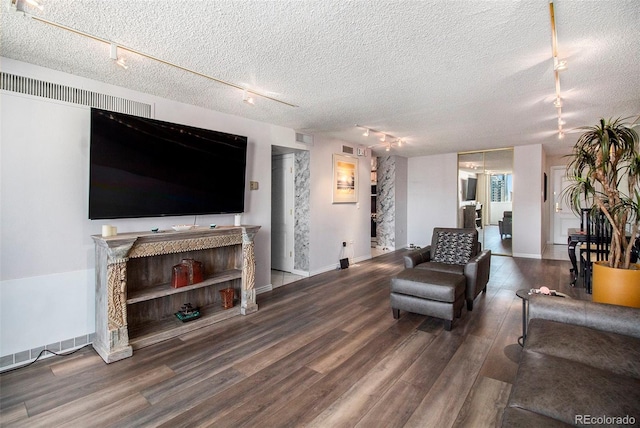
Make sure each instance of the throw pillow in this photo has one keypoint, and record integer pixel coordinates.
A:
(453, 248)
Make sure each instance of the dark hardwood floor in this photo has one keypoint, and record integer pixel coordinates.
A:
(324, 351)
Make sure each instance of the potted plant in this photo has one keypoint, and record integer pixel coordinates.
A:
(604, 172)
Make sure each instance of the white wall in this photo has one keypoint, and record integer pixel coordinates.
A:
(332, 224)
(46, 252)
(432, 195)
(528, 235)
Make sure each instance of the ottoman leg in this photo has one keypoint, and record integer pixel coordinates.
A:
(447, 325)
(469, 304)
(396, 313)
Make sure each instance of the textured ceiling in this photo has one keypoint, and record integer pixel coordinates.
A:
(446, 76)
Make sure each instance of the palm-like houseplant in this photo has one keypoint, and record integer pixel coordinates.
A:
(605, 174)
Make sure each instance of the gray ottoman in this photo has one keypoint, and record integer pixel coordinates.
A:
(436, 294)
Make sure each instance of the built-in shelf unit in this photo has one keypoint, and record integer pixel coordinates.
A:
(135, 302)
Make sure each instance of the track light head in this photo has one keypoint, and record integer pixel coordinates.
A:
(559, 65)
(366, 132)
(113, 54)
(247, 98)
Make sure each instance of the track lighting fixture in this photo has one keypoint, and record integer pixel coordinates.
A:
(388, 140)
(247, 98)
(114, 56)
(19, 6)
(558, 66)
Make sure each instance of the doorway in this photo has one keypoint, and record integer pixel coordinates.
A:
(485, 197)
(562, 216)
(289, 215)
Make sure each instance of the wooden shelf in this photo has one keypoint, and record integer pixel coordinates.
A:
(157, 331)
(163, 290)
(135, 302)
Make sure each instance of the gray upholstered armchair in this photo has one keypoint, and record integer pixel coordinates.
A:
(455, 251)
(504, 225)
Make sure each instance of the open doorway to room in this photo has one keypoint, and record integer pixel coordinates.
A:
(485, 197)
(289, 215)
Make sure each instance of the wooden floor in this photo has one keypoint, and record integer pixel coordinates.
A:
(322, 352)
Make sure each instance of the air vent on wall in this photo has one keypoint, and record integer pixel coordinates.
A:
(55, 91)
(347, 149)
(304, 138)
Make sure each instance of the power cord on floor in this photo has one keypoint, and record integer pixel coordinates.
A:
(42, 353)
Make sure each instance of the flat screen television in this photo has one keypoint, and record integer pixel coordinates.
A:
(471, 188)
(143, 167)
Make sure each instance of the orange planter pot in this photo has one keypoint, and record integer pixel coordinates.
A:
(616, 286)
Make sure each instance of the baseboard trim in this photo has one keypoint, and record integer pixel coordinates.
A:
(264, 289)
(528, 256)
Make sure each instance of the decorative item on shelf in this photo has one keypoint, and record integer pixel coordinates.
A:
(183, 227)
(188, 313)
(227, 295)
(237, 219)
(188, 272)
(108, 230)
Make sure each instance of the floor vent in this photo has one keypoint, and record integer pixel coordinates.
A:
(55, 91)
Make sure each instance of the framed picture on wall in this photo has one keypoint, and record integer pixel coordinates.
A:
(345, 179)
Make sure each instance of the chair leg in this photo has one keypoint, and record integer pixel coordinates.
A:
(448, 324)
(459, 313)
(396, 313)
(469, 304)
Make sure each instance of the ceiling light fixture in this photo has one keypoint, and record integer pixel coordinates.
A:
(35, 3)
(15, 4)
(247, 99)
(114, 56)
(387, 140)
(558, 66)
(558, 102)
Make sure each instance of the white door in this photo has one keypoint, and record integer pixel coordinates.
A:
(563, 217)
(282, 219)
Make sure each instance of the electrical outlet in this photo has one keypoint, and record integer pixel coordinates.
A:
(253, 185)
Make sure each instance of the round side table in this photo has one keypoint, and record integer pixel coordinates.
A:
(524, 294)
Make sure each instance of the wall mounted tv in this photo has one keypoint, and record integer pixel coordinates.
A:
(143, 167)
